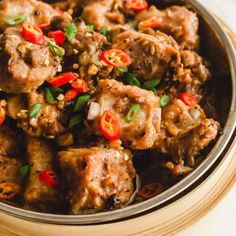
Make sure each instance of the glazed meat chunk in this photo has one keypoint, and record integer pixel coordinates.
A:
(97, 178)
(189, 144)
(177, 21)
(37, 12)
(10, 180)
(46, 123)
(25, 66)
(118, 98)
(103, 13)
(152, 56)
(86, 49)
(39, 194)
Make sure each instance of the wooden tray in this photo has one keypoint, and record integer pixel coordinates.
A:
(166, 221)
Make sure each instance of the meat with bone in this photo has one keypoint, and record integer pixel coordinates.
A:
(97, 177)
(25, 66)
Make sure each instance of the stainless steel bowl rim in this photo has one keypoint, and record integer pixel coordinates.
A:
(176, 189)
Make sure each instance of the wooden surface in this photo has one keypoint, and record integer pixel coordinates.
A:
(166, 221)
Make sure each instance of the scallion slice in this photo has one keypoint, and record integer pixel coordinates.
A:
(34, 111)
(71, 31)
(16, 20)
(132, 113)
(55, 49)
(164, 100)
(48, 95)
(151, 84)
(91, 27)
(75, 120)
(123, 69)
(24, 170)
(81, 101)
(104, 31)
(132, 80)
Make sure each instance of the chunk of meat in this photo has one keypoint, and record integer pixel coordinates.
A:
(86, 49)
(189, 144)
(25, 66)
(191, 60)
(97, 178)
(178, 118)
(103, 13)
(118, 98)
(37, 12)
(38, 194)
(47, 123)
(177, 21)
(151, 56)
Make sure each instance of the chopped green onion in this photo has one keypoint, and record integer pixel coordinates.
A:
(154, 91)
(123, 69)
(91, 27)
(71, 31)
(164, 100)
(81, 18)
(24, 170)
(48, 95)
(104, 31)
(132, 80)
(132, 113)
(56, 50)
(34, 111)
(81, 101)
(56, 91)
(151, 84)
(16, 20)
(75, 120)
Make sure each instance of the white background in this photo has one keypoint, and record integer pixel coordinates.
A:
(221, 221)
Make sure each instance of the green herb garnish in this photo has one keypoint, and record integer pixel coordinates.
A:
(16, 20)
(75, 120)
(132, 80)
(132, 113)
(71, 31)
(34, 111)
(48, 95)
(164, 100)
(55, 49)
(81, 101)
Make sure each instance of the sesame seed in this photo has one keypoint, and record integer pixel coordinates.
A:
(75, 66)
(46, 62)
(126, 157)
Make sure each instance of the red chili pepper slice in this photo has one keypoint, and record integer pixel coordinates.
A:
(63, 79)
(136, 5)
(109, 126)
(2, 115)
(59, 36)
(80, 85)
(70, 95)
(188, 99)
(116, 58)
(48, 177)
(152, 22)
(33, 33)
(150, 190)
(44, 26)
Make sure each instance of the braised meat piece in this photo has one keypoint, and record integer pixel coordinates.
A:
(118, 98)
(151, 56)
(177, 21)
(40, 194)
(103, 13)
(25, 66)
(46, 123)
(10, 179)
(37, 12)
(86, 49)
(189, 144)
(97, 178)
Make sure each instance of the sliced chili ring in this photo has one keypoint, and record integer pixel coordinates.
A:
(63, 79)
(48, 177)
(150, 190)
(136, 5)
(188, 99)
(2, 115)
(109, 126)
(116, 58)
(70, 95)
(80, 85)
(33, 33)
(59, 36)
(152, 22)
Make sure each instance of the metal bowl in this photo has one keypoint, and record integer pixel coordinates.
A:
(217, 48)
